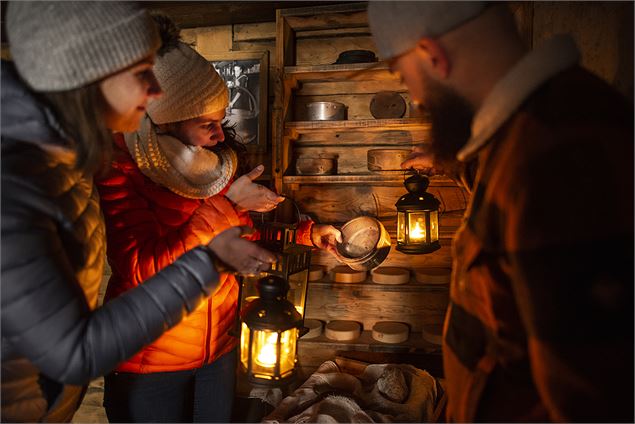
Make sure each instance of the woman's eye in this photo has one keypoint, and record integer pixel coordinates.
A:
(144, 74)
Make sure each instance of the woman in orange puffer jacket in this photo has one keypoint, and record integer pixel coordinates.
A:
(170, 188)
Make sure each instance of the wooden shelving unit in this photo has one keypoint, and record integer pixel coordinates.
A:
(354, 190)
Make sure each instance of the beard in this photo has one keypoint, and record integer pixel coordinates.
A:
(451, 120)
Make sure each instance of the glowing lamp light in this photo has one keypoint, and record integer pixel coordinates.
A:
(417, 218)
(269, 332)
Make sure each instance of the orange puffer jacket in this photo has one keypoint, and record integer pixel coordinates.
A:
(148, 227)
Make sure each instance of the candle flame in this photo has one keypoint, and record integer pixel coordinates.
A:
(417, 233)
(267, 356)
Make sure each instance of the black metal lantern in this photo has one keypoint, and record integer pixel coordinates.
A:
(294, 260)
(417, 218)
(269, 334)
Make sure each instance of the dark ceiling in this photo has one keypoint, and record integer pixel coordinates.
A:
(190, 14)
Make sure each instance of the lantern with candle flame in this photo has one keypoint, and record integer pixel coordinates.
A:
(417, 218)
(270, 330)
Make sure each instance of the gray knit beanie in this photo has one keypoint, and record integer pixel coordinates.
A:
(191, 87)
(62, 45)
(397, 26)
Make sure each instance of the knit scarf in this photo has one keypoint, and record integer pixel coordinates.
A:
(189, 171)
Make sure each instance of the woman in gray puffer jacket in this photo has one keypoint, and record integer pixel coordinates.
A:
(83, 69)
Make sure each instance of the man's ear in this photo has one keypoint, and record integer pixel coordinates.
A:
(435, 56)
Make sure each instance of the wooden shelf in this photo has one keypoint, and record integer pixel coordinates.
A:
(391, 179)
(344, 72)
(300, 127)
(366, 343)
(411, 286)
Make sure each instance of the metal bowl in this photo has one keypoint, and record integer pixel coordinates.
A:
(365, 243)
(326, 111)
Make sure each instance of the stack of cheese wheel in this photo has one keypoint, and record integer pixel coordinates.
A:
(390, 332)
(343, 330)
(390, 275)
(433, 275)
(345, 274)
(316, 272)
(315, 327)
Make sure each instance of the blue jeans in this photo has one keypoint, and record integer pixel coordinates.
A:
(199, 395)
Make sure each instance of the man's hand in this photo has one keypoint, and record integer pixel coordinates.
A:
(326, 237)
(241, 255)
(249, 196)
(422, 160)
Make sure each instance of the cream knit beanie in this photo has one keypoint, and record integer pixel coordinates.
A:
(190, 84)
(62, 45)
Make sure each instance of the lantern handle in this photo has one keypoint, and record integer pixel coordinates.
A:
(293, 202)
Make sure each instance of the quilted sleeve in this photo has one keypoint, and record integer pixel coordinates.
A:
(44, 313)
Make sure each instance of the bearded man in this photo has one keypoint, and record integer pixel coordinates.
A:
(540, 323)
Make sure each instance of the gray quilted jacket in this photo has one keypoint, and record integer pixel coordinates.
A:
(54, 339)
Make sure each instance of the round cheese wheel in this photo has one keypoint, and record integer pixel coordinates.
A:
(433, 333)
(390, 332)
(433, 275)
(343, 330)
(315, 327)
(390, 275)
(345, 274)
(316, 272)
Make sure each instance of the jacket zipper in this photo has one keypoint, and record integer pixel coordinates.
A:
(208, 335)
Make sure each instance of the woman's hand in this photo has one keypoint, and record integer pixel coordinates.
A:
(249, 196)
(240, 254)
(326, 237)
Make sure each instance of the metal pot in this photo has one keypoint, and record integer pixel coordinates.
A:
(386, 159)
(326, 111)
(365, 243)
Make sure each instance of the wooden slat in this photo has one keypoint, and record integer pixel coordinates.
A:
(351, 71)
(323, 10)
(300, 127)
(381, 179)
(390, 138)
(366, 343)
(335, 32)
(265, 31)
(412, 286)
(350, 87)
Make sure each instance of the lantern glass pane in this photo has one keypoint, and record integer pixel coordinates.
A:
(264, 353)
(417, 227)
(249, 290)
(401, 227)
(287, 351)
(244, 345)
(434, 226)
(297, 290)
